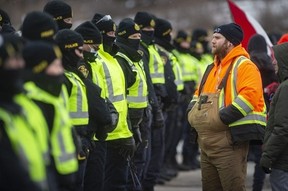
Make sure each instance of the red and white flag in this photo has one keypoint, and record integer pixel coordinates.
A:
(248, 24)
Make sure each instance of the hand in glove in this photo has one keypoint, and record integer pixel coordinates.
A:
(114, 116)
(114, 119)
(127, 147)
(265, 164)
(86, 146)
(158, 119)
(101, 133)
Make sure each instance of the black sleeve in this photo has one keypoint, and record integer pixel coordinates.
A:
(11, 169)
(130, 76)
(68, 85)
(151, 91)
(230, 114)
(99, 114)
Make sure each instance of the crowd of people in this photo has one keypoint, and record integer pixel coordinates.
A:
(103, 107)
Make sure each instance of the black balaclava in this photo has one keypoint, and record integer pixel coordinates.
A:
(4, 18)
(105, 24)
(91, 36)
(11, 82)
(180, 37)
(163, 28)
(144, 19)
(39, 26)
(59, 11)
(200, 35)
(68, 41)
(38, 56)
(126, 28)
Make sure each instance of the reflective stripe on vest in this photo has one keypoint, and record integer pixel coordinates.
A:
(65, 97)
(38, 122)
(62, 145)
(96, 77)
(26, 146)
(115, 79)
(251, 117)
(137, 93)
(177, 72)
(156, 66)
(78, 104)
(189, 67)
(109, 83)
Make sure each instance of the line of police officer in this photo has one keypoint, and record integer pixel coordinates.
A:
(107, 118)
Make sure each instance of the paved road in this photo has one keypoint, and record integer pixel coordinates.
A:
(191, 181)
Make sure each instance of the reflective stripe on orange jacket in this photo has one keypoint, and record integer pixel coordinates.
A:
(249, 83)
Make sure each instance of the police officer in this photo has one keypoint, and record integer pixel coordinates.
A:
(51, 96)
(129, 57)
(154, 69)
(61, 12)
(174, 84)
(21, 160)
(71, 44)
(120, 143)
(190, 72)
(104, 114)
(101, 108)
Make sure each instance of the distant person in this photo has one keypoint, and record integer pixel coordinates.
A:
(257, 48)
(5, 23)
(61, 12)
(275, 152)
(227, 112)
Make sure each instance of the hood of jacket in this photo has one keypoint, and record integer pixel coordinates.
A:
(281, 55)
(234, 53)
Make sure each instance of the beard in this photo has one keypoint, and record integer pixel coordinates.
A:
(221, 51)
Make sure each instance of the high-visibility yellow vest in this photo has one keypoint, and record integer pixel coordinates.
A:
(251, 117)
(97, 78)
(206, 59)
(78, 103)
(189, 66)
(156, 65)
(63, 148)
(38, 123)
(112, 81)
(26, 145)
(176, 69)
(137, 93)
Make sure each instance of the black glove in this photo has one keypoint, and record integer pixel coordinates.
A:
(114, 122)
(86, 146)
(158, 119)
(265, 164)
(137, 135)
(126, 147)
(101, 133)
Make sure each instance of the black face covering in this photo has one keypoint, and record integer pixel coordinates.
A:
(147, 36)
(130, 47)
(50, 83)
(89, 56)
(133, 43)
(70, 59)
(108, 43)
(63, 25)
(10, 85)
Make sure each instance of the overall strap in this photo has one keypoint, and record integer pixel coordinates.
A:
(205, 75)
(224, 80)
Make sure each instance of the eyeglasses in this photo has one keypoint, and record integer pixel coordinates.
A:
(105, 18)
